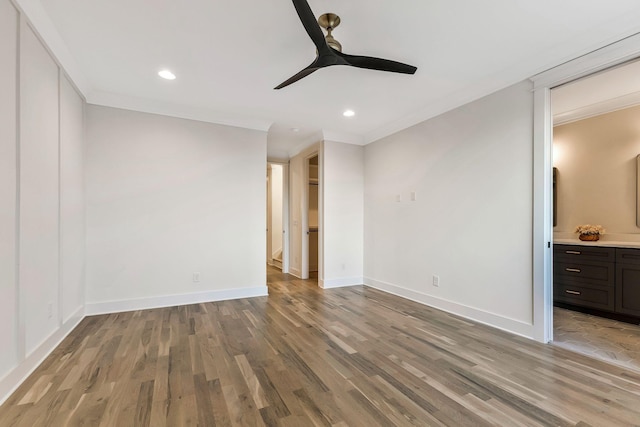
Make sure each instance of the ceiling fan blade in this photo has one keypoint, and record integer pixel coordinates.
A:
(378, 64)
(310, 24)
(301, 74)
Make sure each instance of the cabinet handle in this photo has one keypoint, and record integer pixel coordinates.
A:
(573, 252)
(573, 292)
(572, 270)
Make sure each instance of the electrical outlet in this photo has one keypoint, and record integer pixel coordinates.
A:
(436, 280)
(414, 196)
(50, 310)
(196, 277)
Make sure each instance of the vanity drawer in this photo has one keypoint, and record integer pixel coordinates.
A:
(602, 299)
(628, 256)
(601, 274)
(584, 253)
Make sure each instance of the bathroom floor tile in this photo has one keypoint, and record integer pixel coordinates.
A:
(604, 339)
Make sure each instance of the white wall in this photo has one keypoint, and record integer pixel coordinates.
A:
(8, 293)
(168, 197)
(72, 224)
(471, 224)
(343, 213)
(39, 189)
(596, 161)
(42, 194)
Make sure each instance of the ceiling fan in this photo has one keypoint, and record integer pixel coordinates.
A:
(329, 51)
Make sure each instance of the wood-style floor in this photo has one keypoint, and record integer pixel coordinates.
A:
(307, 357)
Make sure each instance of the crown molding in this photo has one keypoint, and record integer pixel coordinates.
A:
(614, 53)
(597, 109)
(144, 105)
(42, 25)
(347, 138)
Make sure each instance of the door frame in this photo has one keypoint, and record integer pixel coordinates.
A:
(269, 209)
(625, 50)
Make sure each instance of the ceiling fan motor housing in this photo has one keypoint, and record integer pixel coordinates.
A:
(329, 21)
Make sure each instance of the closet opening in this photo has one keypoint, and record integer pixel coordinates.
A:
(312, 209)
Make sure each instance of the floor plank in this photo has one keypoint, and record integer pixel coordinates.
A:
(310, 357)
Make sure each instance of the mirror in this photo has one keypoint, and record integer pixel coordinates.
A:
(555, 196)
(638, 191)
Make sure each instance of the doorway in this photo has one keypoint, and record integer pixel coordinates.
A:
(612, 55)
(278, 216)
(594, 148)
(312, 209)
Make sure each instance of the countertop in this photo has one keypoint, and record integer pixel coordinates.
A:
(601, 242)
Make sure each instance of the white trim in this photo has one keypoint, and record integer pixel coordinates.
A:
(21, 328)
(74, 314)
(599, 108)
(614, 54)
(60, 222)
(609, 56)
(107, 307)
(295, 272)
(169, 109)
(347, 138)
(486, 318)
(321, 212)
(542, 216)
(452, 101)
(286, 232)
(45, 29)
(10, 382)
(269, 225)
(341, 282)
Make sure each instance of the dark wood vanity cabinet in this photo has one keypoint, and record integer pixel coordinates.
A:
(584, 276)
(594, 277)
(628, 281)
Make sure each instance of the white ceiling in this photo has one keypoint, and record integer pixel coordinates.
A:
(229, 54)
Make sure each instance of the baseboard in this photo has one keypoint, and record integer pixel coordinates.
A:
(173, 300)
(490, 319)
(15, 377)
(295, 272)
(341, 282)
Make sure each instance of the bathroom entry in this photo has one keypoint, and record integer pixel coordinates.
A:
(595, 146)
(313, 215)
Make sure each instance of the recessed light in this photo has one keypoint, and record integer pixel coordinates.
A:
(349, 113)
(166, 74)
